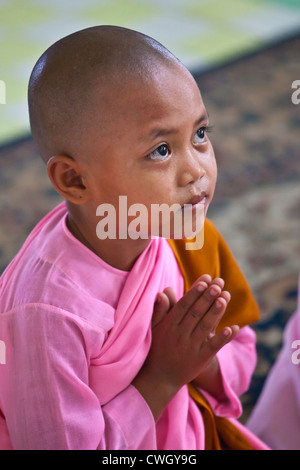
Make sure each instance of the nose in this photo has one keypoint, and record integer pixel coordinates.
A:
(191, 168)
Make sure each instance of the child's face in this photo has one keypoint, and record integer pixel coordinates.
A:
(153, 147)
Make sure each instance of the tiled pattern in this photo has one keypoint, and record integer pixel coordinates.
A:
(199, 32)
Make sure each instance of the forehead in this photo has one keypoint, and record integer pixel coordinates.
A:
(163, 98)
(172, 94)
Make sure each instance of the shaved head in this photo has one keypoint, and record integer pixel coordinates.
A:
(70, 84)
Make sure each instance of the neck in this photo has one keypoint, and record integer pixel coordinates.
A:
(121, 254)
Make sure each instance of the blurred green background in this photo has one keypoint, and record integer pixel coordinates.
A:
(202, 33)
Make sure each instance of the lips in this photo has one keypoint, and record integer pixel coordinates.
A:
(198, 199)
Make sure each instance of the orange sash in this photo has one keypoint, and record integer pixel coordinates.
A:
(216, 259)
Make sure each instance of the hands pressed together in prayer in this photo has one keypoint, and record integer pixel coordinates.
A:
(185, 343)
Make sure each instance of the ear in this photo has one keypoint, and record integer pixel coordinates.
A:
(66, 176)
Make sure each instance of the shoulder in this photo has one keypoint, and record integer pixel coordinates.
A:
(49, 271)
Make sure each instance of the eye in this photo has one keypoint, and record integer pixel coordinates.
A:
(200, 136)
(161, 153)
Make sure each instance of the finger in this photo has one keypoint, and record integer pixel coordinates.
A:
(226, 296)
(208, 323)
(161, 308)
(208, 279)
(219, 282)
(187, 300)
(235, 329)
(213, 291)
(226, 335)
(201, 306)
(211, 347)
(205, 278)
(169, 291)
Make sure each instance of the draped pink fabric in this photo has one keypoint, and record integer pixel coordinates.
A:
(128, 343)
(276, 416)
(76, 332)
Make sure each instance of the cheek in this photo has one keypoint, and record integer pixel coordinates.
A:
(213, 170)
(155, 186)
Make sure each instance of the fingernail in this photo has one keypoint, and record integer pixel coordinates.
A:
(213, 291)
(201, 287)
(218, 304)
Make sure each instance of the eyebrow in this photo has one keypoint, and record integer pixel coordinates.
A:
(155, 133)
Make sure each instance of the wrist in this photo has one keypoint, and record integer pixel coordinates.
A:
(210, 380)
(156, 392)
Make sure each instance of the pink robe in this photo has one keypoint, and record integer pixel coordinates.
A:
(76, 332)
(276, 416)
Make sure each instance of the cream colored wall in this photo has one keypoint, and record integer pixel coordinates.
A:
(199, 32)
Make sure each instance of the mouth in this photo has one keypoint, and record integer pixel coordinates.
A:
(198, 199)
